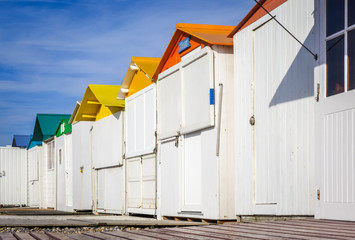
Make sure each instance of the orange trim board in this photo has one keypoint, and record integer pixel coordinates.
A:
(256, 13)
(201, 35)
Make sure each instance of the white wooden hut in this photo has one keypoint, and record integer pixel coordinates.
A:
(42, 167)
(195, 124)
(139, 92)
(48, 175)
(81, 147)
(34, 153)
(64, 165)
(274, 110)
(334, 85)
(13, 176)
(103, 150)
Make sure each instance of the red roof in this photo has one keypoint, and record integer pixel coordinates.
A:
(256, 13)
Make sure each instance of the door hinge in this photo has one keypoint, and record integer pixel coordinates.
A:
(317, 96)
(318, 194)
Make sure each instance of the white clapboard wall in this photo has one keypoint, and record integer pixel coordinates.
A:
(274, 85)
(13, 176)
(140, 142)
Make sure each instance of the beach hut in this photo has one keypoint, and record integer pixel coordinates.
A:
(139, 91)
(195, 111)
(102, 156)
(13, 176)
(274, 109)
(42, 160)
(64, 165)
(34, 154)
(334, 85)
(81, 150)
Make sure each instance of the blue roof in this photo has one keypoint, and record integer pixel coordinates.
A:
(21, 140)
(32, 144)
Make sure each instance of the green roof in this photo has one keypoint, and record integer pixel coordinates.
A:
(63, 128)
(46, 125)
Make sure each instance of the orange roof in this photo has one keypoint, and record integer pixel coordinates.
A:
(209, 34)
(256, 13)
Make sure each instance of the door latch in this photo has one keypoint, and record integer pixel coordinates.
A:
(252, 120)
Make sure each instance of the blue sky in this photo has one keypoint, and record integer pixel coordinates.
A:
(50, 50)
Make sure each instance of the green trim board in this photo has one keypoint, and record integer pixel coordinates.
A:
(63, 128)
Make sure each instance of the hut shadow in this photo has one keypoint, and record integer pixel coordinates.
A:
(298, 82)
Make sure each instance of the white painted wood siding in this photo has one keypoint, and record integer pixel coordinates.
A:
(110, 193)
(141, 184)
(335, 134)
(34, 155)
(64, 173)
(184, 95)
(274, 81)
(13, 176)
(195, 182)
(140, 122)
(82, 185)
(107, 140)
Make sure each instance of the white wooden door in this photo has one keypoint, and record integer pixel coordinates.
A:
(141, 184)
(266, 131)
(335, 122)
(169, 160)
(192, 173)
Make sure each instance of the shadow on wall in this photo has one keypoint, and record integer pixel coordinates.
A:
(298, 81)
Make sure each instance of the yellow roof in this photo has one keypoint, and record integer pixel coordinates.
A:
(98, 102)
(147, 64)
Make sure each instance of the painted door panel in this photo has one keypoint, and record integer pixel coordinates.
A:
(192, 173)
(186, 95)
(141, 184)
(335, 132)
(169, 159)
(140, 122)
(266, 128)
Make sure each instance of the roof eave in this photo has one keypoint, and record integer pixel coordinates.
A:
(246, 18)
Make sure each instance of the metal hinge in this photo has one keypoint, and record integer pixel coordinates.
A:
(317, 96)
(318, 194)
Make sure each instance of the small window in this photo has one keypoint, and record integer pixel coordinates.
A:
(351, 62)
(335, 66)
(340, 46)
(351, 12)
(50, 155)
(60, 156)
(335, 16)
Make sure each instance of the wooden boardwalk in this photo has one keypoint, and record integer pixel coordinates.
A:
(292, 229)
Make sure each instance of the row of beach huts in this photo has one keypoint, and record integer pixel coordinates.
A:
(231, 121)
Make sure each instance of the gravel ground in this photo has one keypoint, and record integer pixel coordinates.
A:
(66, 230)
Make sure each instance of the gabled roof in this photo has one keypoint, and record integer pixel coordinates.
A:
(21, 140)
(147, 65)
(208, 34)
(32, 144)
(75, 112)
(256, 13)
(63, 128)
(46, 125)
(98, 102)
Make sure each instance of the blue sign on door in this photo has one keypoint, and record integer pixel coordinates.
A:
(184, 44)
(211, 96)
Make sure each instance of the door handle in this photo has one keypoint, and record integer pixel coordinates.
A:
(252, 120)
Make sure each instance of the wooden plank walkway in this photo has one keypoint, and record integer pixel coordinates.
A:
(292, 229)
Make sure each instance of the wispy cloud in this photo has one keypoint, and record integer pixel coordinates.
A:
(50, 50)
